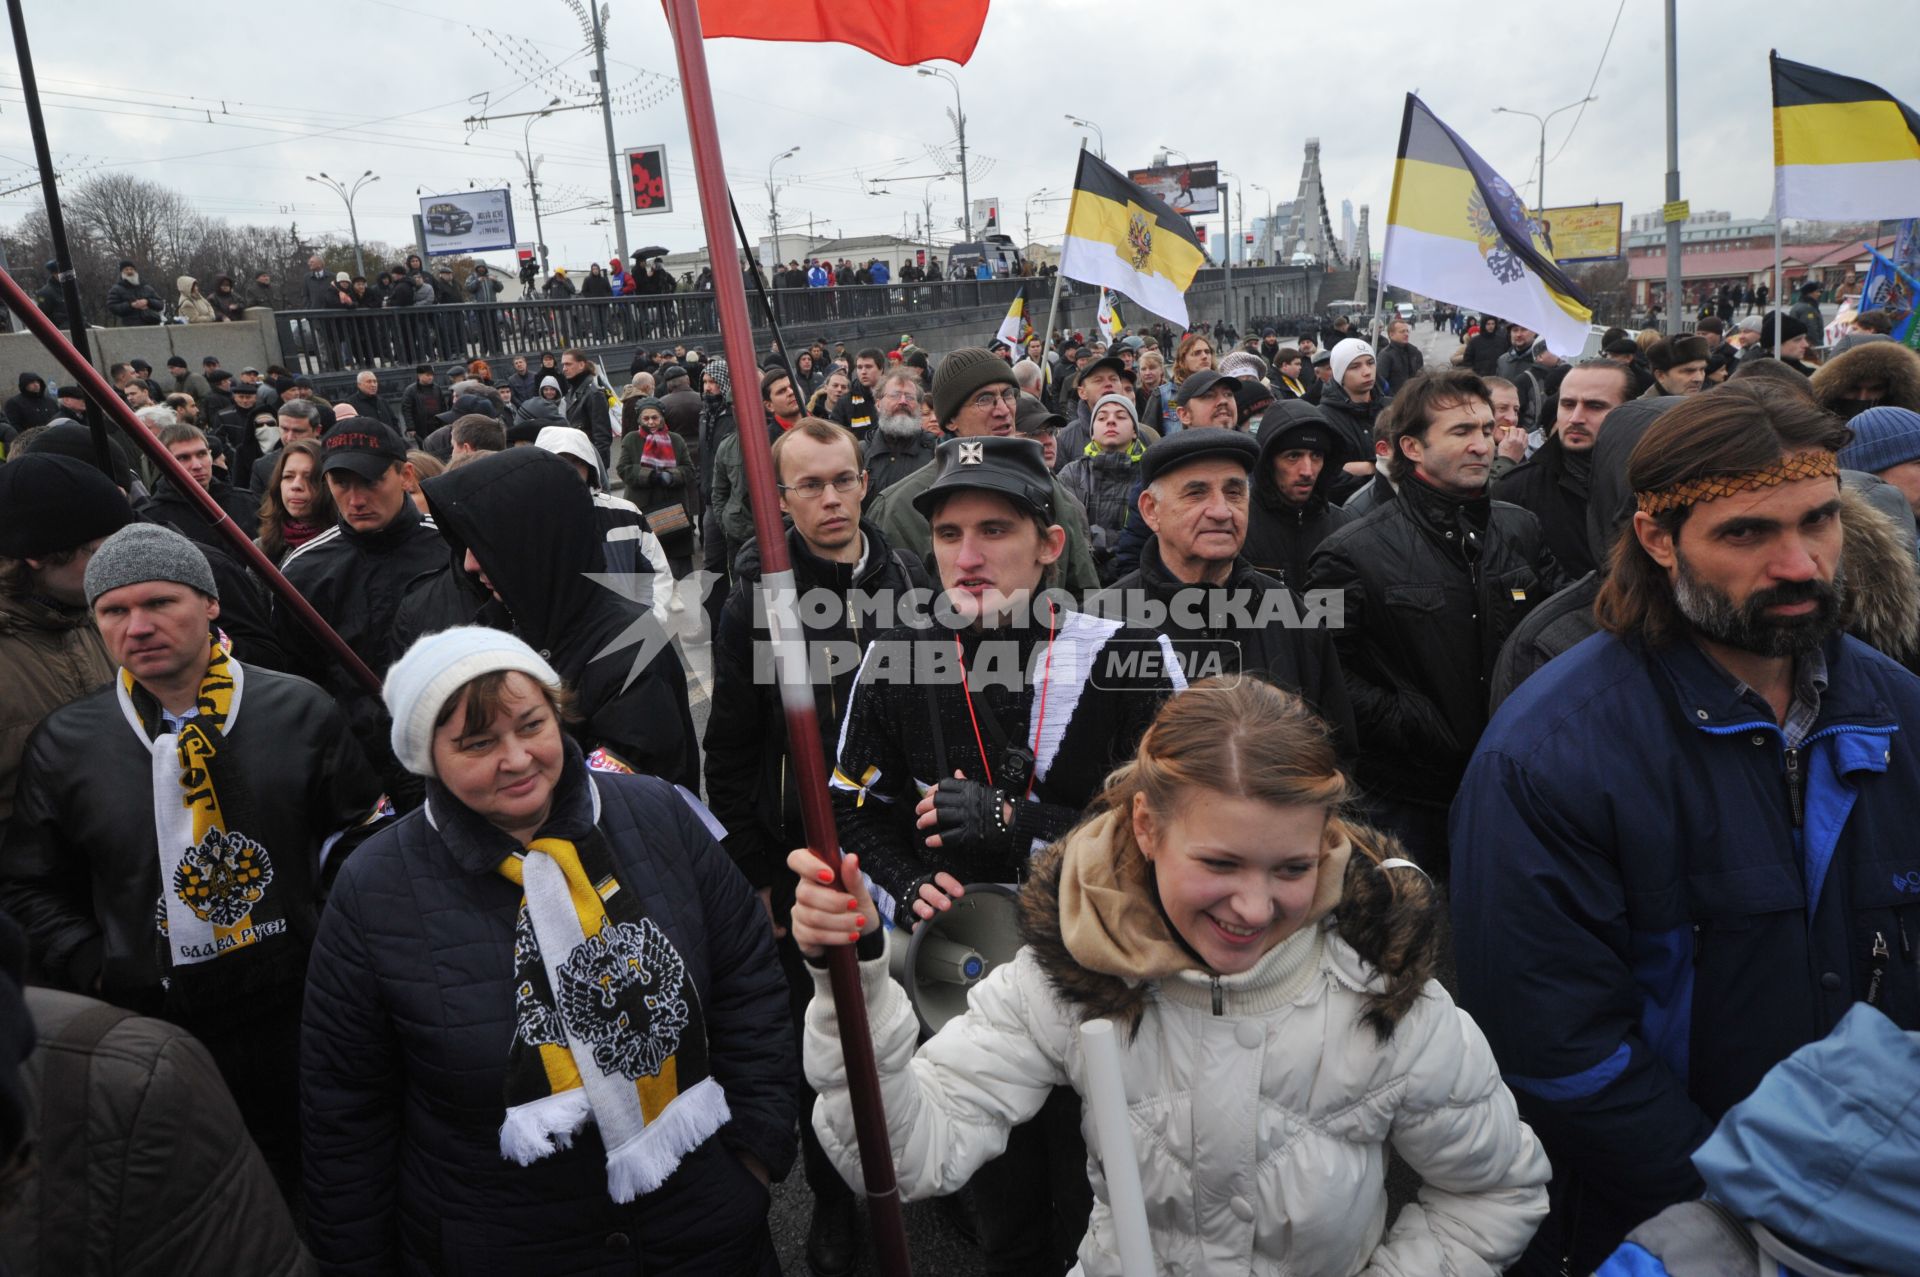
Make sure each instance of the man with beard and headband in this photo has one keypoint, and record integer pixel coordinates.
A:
(898, 444)
(1685, 849)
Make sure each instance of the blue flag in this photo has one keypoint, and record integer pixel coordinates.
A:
(1891, 289)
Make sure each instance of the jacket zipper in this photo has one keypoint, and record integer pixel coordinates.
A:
(1219, 996)
(1796, 788)
(1876, 967)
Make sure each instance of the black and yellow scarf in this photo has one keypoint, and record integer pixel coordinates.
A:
(607, 1022)
(216, 882)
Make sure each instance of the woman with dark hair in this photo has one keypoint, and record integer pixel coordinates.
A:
(296, 507)
(1269, 966)
(655, 466)
(545, 1030)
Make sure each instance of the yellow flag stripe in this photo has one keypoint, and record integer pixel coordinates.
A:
(1843, 133)
(1432, 198)
(1095, 217)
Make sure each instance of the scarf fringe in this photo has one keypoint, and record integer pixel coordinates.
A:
(645, 1161)
(543, 1126)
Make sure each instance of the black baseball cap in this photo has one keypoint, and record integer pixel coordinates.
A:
(1194, 444)
(1114, 362)
(1032, 417)
(1012, 467)
(1200, 383)
(365, 447)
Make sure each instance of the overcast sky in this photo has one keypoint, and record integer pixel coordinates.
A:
(236, 103)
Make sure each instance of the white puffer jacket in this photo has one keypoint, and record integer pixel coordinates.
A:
(1262, 1109)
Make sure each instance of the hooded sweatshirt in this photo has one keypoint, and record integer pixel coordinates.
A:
(192, 307)
(530, 523)
(1282, 537)
(33, 406)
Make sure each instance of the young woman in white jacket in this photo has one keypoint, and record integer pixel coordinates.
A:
(1268, 968)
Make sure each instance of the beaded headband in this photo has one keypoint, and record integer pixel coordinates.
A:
(1816, 464)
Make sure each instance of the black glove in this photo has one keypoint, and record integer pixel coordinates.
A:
(967, 817)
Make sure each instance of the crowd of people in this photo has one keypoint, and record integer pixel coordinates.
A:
(1269, 670)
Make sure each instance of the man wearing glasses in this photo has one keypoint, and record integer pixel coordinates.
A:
(750, 778)
(899, 444)
(974, 394)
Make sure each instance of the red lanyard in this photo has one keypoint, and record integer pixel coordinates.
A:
(1046, 680)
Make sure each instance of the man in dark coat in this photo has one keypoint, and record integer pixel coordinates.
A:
(365, 399)
(1554, 482)
(1222, 613)
(189, 446)
(1485, 347)
(421, 404)
(586, 403)
(750, 777)
(631, 691)
(215, 938)
(1290, 513)
(52, 296)
(1400, 359)
(1434, 581)
(33, 406)
(1641, 952)
(134, 304)
(898, 444)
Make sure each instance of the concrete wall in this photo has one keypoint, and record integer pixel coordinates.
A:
(249, 343)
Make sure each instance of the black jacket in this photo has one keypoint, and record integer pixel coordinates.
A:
(530, 523)
(52, 298)
(750, 782)
(888, 462)
(355, 580)
(1353, 422)
(122, 295)
(81, 870)
(369, 406)
(409, 1011)
(419, 406)
(858, 410)
(319, 292)
(1485, 348)
(586, 407)
(1542, 483)
(716, 423)
(230, 306)
(1281, 537)
(1293, 656)
(174, 508)
(1400, 362)
(1423, 625)
(32, 408)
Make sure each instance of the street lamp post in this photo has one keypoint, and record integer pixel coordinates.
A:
(533, 178)
(1080, 123)
(347, 193)
(960, 127)
(1267, 255)
(773, 202)
(1540, 191)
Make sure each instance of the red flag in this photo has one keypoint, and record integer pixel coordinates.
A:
(903, 32)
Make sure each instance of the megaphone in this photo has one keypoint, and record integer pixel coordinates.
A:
(947, 954)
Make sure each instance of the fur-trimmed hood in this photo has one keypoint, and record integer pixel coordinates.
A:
(1885, 362)
(1087, 906)
(1883, 583)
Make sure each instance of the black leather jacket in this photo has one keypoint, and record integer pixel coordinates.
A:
(1432, 588)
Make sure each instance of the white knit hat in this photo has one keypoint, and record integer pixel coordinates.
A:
(432, 673)
(1344, 352)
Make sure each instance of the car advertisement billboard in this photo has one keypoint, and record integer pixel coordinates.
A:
(1192, 189)
(467, 222)
(1583, 232)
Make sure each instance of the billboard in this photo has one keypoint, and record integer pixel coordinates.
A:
(1191, 189)
(986, 216)
(467, 222)
(1584, 232)
(647, 180)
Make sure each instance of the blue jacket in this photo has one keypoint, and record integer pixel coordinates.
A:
(1819, 1168)
(1642, 928)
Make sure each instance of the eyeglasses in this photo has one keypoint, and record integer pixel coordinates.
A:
(813, 489)
(988, 400)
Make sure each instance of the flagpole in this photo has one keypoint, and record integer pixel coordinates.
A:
(789, 647)
(1053, 313)
(1773, 77)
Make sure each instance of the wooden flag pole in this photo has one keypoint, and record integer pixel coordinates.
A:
(789, 644)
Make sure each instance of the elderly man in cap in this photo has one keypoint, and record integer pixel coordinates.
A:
(1679, 366)
(133, 303)
(975, 396)
(173, 832)
(54, 513)
(1044, 749)
(1223, 614)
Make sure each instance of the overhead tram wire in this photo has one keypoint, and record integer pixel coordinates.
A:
(1593, 83)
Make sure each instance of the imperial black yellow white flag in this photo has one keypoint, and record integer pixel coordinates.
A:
(1458, 232)
(1120, 236)
(1016, 327)
(1843, 149)
(1106, 317)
